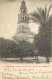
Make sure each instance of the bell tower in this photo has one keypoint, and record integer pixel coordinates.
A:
(23, 30)
(23, 22)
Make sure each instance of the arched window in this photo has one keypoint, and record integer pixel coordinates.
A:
(23, 17)
(23, 11)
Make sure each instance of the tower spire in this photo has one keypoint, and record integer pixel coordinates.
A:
(23, 16)
(23, 0)
(23, 5)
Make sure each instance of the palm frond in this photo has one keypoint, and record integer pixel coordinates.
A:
(49, 11)
(41, 16)
(43, 13)
(50, 18)
(36, 17)
(34, 20)
(46, 12)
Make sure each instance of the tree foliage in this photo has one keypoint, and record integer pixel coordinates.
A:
(42, 40)
(25, 48)
(8, 48)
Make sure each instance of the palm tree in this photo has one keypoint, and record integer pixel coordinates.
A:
(43, 18)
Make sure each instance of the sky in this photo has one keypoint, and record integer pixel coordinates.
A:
(9, 10)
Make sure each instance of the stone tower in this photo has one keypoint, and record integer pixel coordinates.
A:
(23, 31)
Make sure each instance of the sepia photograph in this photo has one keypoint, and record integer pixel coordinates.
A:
(25, 39)
(25, 31)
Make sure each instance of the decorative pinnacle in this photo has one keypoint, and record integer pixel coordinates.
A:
(23, 0)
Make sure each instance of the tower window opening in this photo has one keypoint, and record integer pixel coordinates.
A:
(23, 17)
(23, 11)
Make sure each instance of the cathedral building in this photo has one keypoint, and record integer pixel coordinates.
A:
(23, 30)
